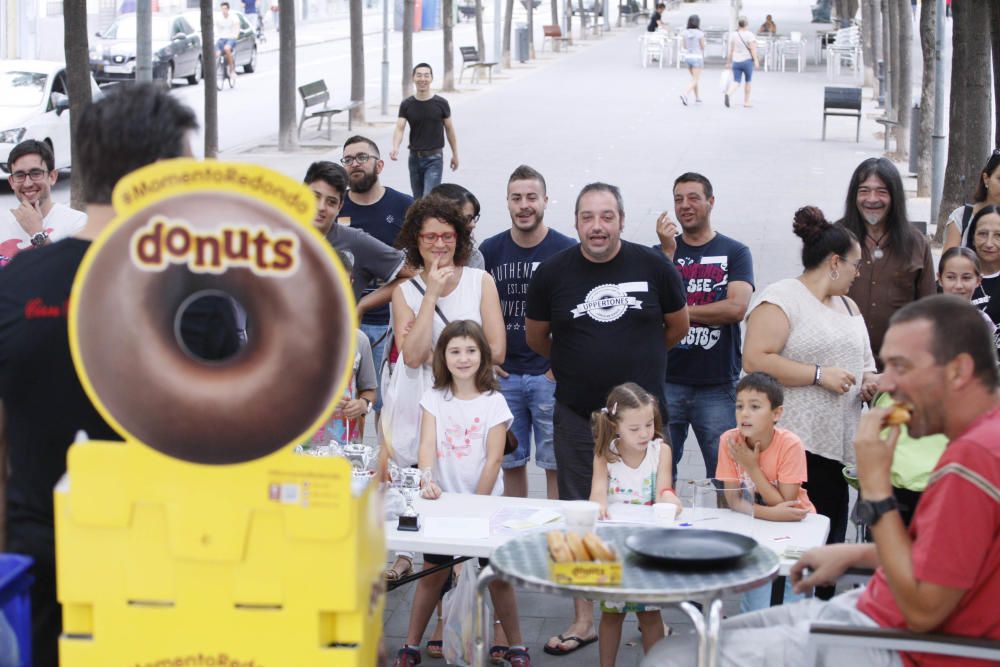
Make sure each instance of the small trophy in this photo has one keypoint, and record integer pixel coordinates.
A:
(360, 458)
(409, 486)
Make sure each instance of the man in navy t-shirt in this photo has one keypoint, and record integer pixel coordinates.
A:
(718, 275)
(526, 379)
(605, 312)
(378, 210)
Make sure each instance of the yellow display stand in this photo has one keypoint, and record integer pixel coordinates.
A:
(173, 551)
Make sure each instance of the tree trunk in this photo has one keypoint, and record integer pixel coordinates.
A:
(886, 59)
(507, 19)
(878, 52)
(923, 147)
(995, 35)
(356, 9)
(904, 77)
(891, 18)
(840, 6)
(77, 82)
(480, 37)
(868, 43)
(555, 12)
(287, 136)
(449, 46)
(211, 92)
(408, 9)
(969, 122)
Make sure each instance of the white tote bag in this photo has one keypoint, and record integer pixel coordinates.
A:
(402, 389)
(725, 78)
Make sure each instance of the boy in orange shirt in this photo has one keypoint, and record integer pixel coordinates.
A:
(773, 458)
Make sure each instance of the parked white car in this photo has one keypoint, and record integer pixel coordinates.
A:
(34, 105)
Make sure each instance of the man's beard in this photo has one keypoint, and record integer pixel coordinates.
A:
(365, 182)
(873, 217)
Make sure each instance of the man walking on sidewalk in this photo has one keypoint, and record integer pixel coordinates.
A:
(718, 275)
(429, 117)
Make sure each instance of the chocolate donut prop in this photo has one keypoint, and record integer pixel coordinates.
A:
(184, 229)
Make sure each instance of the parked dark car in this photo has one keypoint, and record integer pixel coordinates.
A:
(245, 54)
(176, 50)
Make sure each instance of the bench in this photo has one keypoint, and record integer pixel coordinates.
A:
(316, 104)
(471, 59)
(468, 11)
(842, 102)
(631, 13)
(553, 34)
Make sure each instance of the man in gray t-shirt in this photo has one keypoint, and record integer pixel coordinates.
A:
(372, 259)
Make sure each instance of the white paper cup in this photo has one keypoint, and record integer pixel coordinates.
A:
(580, 515)
(664, 513)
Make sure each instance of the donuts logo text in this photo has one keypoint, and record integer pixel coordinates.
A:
(162, 242)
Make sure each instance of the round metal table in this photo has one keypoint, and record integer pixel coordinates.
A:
(524, 562)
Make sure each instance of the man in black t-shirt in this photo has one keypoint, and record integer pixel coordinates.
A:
(656, 20)
(604, 312)
(429, 117)
(43, 402)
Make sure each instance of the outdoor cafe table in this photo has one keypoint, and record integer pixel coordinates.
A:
(775, 535)
(524, 562)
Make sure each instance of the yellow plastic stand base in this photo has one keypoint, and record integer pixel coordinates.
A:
(272, 563)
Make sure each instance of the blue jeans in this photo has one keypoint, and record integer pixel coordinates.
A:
(743, 67)
(531, 399)
(376, 333)
(709, 409)
(425, 173)
(759, 598)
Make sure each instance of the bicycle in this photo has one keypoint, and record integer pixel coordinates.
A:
(223, 72)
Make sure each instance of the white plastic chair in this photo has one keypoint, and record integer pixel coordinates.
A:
(651, 45)
(793, 47)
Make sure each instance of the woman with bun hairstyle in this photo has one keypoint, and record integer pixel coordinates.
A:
(987, 192)
(809, 335)
(983, 237)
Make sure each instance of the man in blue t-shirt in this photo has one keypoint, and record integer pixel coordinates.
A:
(378, 210)
(702, 369)
(526, 379)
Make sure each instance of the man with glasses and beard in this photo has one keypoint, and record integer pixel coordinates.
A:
(378, 210)
(896, 263)
(38, 220)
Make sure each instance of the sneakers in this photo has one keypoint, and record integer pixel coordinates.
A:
(408, 657)
(518, 657)
(684, 100)
(726, 99)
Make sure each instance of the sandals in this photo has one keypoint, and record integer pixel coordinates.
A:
(563, 639)
(498, 654)
(435, 649)
(397, 571)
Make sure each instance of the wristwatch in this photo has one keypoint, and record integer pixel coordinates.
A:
(368, 401)
(40, 238)
(869, 512)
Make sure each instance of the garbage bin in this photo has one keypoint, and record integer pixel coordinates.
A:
(914, 137)
(398, 16)
(430, 15)
(521, 42)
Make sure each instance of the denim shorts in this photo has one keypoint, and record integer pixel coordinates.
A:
(743, 67)
(531, 399)
(694, 61)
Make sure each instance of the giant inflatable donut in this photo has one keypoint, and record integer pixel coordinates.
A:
(134, 279)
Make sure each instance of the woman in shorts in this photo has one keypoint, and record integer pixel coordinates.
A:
(694, 56)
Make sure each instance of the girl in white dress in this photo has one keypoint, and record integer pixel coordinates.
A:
(463, 430)
(632, 464)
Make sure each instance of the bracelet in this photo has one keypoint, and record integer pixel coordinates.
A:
(818, 376)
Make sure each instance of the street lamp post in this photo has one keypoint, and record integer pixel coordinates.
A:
(497, 38)
(937, 139)
(144, 41)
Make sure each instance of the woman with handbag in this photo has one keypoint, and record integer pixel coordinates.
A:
(742, 58)
(437, 243)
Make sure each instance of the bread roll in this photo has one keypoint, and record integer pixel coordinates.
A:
(558, 548)
(598, 548)
(579, 551)
(899, 414)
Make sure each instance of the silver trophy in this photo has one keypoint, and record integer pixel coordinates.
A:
(409, 485)
(361, 458)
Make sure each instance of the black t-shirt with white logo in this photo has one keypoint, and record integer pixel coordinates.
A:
(606, 321)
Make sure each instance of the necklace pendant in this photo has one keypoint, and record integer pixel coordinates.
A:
(878, 254)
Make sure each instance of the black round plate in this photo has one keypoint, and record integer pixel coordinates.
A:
(690, 548)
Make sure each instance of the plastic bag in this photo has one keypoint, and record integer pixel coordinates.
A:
(725, 78)
(459, 607)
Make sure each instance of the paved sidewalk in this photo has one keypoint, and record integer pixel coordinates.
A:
(595, 114)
